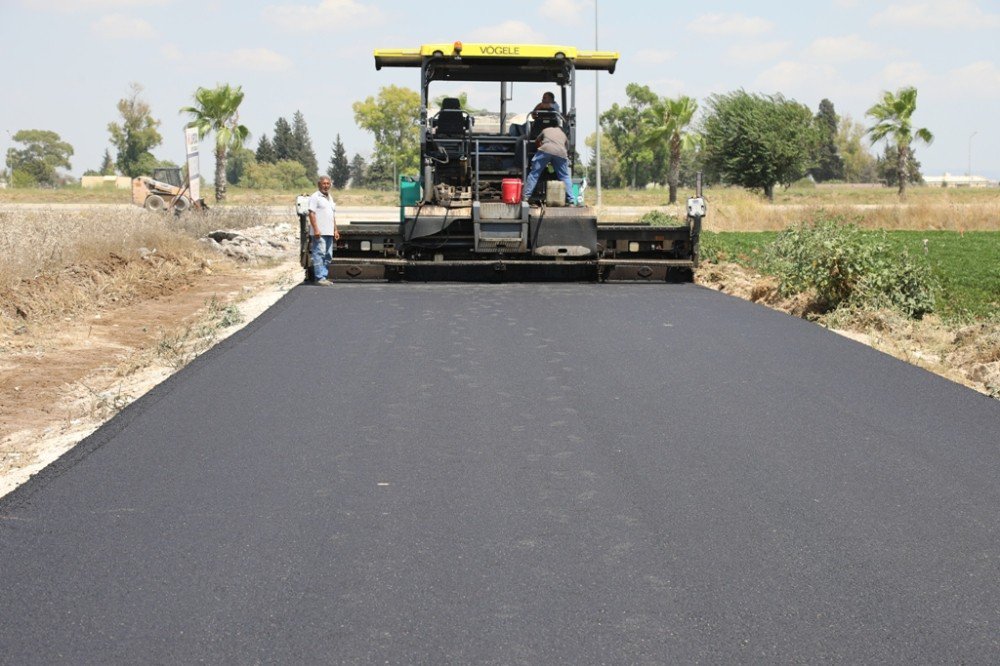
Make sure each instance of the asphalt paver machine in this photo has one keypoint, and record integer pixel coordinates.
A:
(462, 216)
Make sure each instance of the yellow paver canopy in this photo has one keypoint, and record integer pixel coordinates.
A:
(497, 61)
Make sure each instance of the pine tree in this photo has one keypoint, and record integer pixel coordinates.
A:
(340, 169)
(303, 151)
(265, 151)
(829, 164)
(284, 141)
(236, 165)
(107, 164)
(359, 170)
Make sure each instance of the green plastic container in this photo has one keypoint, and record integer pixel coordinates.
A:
(409, 190)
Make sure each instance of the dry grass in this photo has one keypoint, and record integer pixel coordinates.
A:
(38, 244)
(816, 195)
(238, 196)
(736, 209)
(61, 195)
(754, 215)
(59, 263)
(235, 196)
(730, 208)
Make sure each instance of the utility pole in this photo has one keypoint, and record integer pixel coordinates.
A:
(969, 173)
(597, 113)
(10, 168)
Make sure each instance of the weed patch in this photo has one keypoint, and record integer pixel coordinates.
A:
(847, 266)
(659, 218)
(105, 404)
(179, 347)
(966, 265)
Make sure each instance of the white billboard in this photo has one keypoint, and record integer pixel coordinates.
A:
(194, 170)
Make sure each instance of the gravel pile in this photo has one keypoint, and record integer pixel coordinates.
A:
(254, 243)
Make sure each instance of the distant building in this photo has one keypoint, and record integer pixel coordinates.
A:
(117, 182)
(951, 180)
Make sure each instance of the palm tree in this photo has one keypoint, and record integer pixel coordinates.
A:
(892, 122)
(217, 111)
(665, 122)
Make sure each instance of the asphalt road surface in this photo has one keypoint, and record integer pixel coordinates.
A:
(518, 474)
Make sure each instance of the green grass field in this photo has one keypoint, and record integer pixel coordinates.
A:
(968, 265)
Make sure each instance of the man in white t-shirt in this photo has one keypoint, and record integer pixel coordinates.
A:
(323, 220)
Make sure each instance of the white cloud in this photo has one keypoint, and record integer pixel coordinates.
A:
(729, 24)
(954, 14)
(843, 49)
(258, 60)
(900, 74)
(119, 26)
(171, 52)
(979, 79)
(670, 87)
(509, 32)
(341, 15)
(757, 51)
(654, 56)
(787, 77)
(88, 5)
(247, 59)
(564, 11)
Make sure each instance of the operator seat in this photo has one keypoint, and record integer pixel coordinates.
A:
(542, 120)
(451, 120)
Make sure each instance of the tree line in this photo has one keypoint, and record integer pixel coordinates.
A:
(287, 160)
(751, 140)
(755, 141)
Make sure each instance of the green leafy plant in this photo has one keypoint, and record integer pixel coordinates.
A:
(230, 316)
(658, 218)
(847, 266)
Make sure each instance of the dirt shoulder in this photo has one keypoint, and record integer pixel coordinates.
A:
(61, 380)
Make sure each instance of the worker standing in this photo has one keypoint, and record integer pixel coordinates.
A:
(322, 219)
(553, 148)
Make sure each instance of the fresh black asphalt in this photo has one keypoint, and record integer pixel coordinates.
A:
(541, 474)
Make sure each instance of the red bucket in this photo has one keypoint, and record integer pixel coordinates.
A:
(510, 190)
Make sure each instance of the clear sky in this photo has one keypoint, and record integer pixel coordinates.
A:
(64, 64)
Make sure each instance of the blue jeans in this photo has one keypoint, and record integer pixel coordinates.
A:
(321, 249)
(538, 164)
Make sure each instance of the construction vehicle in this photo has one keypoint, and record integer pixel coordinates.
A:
(164, 190)
(462, 217)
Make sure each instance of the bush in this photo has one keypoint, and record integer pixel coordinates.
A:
(847, 266)
(23, 179)
(285, 175)
(658, 218)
